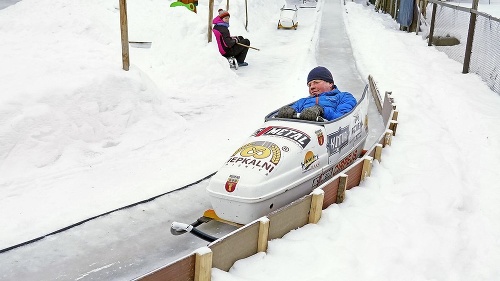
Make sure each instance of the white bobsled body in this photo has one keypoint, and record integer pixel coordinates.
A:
(284, 160)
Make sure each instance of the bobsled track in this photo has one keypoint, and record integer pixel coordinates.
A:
(99, 252)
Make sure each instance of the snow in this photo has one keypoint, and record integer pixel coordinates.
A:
(80, 136)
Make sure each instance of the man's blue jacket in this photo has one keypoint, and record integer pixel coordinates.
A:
(335, 103)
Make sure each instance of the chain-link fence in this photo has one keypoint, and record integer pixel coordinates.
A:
(485, 58)
(469, 37)
(450, 31)
(465, 35)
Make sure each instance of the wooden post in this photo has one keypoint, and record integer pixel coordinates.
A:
(378, 152)
(367, 167)
(124, 31)
(414, 23)
(227, 5)
(210, 17)
(342, 187)
(388, 137)
(263, 235)
(395, 115)
(203, 264)
(470, 37)
(433, 23)
(419, 21)
(246, 15)
(393, 125)
(316, 205)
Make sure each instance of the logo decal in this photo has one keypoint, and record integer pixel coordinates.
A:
(321, 138)
(356, 130)
(338, 140)
(310, 161)
(325, 175)
(344, 163)
(261, 155)
(299, 137)
(231, 183)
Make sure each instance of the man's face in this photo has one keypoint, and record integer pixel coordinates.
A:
(317, 87)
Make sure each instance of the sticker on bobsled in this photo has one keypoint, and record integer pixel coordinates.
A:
(325, 175)
(344, 163)
(299, 137)
(261, 155)
(337, 140)
(310, 161)
(356, 129)
(231, 183)
(321, 137)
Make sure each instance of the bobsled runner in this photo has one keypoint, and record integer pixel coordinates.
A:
(280, 162)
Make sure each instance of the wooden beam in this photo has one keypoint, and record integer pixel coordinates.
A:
(210, 17)
(316, 205)
(395, 115)
(378, 152)
(203, 264)
(263, 235)
(388, 137)
(124, 35)
(246, 15)
(342, 187)
(393, 125)
(367, 167)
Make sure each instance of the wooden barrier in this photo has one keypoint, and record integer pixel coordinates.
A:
(331, 191)
(240, 244)
(343, 178)
(181, 270)
(203, 265)
(316, 205)
(253, 238)
(378, 152)
(289, 217)
(263, 235)
(367, 167)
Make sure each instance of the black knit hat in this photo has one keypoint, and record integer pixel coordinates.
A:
(320, 73)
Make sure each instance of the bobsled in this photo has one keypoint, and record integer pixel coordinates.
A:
(284, 160)
(288, 18)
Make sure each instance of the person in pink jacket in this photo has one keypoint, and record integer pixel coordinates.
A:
(228, 46)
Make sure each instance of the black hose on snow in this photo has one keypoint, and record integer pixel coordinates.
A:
(104, 214)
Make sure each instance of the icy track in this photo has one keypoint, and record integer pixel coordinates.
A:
(108, 249)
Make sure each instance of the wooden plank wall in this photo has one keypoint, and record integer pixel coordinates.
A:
(238, 245)
(289, 217)
(181, 270)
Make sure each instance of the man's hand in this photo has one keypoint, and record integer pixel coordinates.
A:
(312, 113)
(287, 112)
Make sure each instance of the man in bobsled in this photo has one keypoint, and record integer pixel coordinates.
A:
(325, 101)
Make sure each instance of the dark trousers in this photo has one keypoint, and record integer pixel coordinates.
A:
(239, 52)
